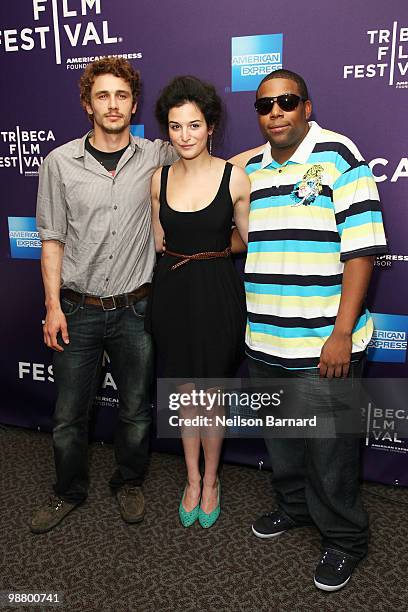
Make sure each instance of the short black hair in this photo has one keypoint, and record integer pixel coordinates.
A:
(287, 74)
(184, 89)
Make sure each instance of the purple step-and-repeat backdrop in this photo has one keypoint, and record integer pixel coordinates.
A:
(354, 57)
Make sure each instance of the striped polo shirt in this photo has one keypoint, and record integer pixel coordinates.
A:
(308, 216)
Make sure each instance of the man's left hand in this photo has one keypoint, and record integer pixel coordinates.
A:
(335, 356)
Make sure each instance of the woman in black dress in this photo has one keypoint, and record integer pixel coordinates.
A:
(197, 308)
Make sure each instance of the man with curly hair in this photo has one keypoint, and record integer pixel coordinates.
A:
(93, 216)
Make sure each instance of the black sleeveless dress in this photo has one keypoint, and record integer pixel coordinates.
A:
(197, 311)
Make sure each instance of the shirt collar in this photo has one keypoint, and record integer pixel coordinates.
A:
(80, 150)
(302, 153)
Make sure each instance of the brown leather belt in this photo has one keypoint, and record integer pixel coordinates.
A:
(108, 302)
(206, 255)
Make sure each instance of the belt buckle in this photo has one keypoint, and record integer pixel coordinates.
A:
(108, 297)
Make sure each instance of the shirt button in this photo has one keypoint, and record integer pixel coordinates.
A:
(280, 170)
(110, 256)
(115, 207)
(113, 233)
(106, 280)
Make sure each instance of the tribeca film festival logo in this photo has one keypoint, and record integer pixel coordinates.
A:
(25, 241)
(24, 149)
(389, 340)
(385, 425)
(390, 60)
(253, 57)
(67, 25)
(44, 373)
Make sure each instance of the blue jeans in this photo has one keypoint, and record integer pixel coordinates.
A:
(92, 331)
(316, 480)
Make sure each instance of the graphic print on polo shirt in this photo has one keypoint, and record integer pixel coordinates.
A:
(306, 190)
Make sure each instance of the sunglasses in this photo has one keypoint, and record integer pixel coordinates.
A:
(287, 102)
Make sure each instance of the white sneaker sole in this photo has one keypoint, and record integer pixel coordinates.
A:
(327, 587)
(266, 536)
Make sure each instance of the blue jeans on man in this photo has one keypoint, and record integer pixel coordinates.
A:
(316, 478)
(121, 334)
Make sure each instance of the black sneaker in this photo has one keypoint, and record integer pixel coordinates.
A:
(334, 570)
(272, 524)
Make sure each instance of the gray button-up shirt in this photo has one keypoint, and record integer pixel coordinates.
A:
(104, 221)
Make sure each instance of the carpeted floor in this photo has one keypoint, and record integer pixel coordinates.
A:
(101, 564)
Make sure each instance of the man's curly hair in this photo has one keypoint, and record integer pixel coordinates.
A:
(117, 66)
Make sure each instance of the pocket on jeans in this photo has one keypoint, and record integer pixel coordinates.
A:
(69, 308)
(139, 308)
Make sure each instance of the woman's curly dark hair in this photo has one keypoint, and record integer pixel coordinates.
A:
(184, 89)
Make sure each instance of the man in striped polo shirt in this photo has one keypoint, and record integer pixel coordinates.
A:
(315, 227)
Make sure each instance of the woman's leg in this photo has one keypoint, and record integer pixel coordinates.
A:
(212, 450)
(211, 438)
(191, 444)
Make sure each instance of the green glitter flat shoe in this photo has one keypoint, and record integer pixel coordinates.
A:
(187, 518)
(207, 520)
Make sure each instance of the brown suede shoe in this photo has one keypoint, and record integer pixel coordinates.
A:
(50, 514)
(131, 503)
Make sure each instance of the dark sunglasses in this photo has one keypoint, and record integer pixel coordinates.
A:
(287, 102)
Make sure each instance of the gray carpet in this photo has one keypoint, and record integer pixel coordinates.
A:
(101, 564)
